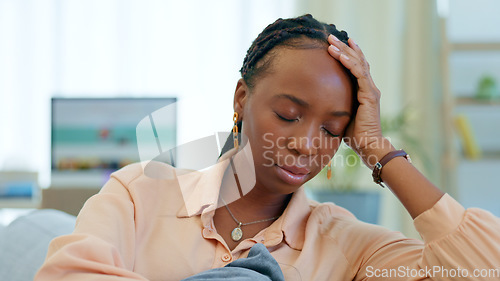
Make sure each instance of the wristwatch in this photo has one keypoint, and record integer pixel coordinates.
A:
(377, 170)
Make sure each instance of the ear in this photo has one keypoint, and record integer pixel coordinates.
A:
(241, 95)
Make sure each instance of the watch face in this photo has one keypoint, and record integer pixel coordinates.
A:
(407, 156)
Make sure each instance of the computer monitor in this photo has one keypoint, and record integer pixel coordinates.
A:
(92, 137)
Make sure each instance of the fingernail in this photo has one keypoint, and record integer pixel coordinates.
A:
(334, 38)
(352, 40)
(344, 56)
(333, 47)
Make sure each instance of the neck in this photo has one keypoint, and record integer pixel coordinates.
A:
(259, 204)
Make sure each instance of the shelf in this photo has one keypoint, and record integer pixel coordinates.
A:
(490, 156)
(486, 46)
(486, 156)
(474, 101)
(473, 182)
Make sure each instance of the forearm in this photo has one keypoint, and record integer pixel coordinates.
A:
(413, 189)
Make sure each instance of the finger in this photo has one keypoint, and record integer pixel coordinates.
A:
(341, 46)
(355, 66)
(359, 52)
(338, 49)
(353, 59)
(342, 54)
(355, 47)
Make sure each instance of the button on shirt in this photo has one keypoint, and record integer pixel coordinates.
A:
(143, 228)
(226, 258)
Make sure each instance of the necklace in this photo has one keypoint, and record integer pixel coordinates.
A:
(237, 233)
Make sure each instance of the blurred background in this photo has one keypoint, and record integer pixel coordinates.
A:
(73, 72)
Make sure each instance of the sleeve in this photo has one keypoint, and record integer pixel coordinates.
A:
(460, 240)
(458, 244)
(102, 246)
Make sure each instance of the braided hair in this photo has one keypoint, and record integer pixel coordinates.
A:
(288, 33)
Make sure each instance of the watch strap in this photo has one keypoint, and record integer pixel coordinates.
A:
(377, 170)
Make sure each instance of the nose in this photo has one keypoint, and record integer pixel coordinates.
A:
(304, 142)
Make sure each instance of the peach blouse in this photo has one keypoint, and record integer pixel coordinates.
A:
(142, 228)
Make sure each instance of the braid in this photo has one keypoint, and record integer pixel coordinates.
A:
(269, 41)
(283, 32)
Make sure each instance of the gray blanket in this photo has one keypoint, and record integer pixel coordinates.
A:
(259, 265)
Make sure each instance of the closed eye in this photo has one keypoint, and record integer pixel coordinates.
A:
(286, 119)
(330, 134)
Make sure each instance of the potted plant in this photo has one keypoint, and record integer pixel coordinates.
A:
(487, 88)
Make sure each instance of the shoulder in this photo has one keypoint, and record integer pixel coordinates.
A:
(144, 181)
(152, 187)
(147, 172)
(338, 224)
(128, 174)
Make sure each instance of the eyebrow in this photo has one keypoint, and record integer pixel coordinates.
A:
(340, 114)
(294, 99)
(303, 103)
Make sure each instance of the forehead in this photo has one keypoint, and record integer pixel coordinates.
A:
(309, 73)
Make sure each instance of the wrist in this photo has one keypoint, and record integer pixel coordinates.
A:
(373, 152)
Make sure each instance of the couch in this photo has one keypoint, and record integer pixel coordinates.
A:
(24, 242)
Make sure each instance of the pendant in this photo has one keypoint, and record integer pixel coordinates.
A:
(237, 233)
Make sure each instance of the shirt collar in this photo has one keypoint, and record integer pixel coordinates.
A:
(200, 189)
(291, 226)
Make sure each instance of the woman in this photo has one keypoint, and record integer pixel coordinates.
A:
(305, 87)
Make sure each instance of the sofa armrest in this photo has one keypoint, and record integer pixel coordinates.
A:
(24, 242)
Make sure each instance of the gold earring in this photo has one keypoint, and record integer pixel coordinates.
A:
(329, 170)
(235, 130)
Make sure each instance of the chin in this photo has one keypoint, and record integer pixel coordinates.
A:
(275, 183)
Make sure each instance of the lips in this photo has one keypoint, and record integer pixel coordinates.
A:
(296, 170)
(292, 174)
